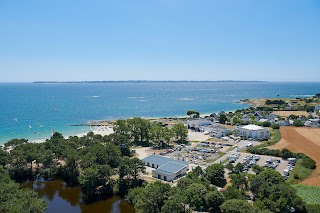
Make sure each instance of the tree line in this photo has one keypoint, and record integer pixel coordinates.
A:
(138, 131)
(265, 192)
(99, 165)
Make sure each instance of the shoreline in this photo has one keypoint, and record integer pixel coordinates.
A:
(98, 129)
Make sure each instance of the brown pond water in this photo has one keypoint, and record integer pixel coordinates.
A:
(62, 198)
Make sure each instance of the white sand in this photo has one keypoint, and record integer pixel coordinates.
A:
(103, 130)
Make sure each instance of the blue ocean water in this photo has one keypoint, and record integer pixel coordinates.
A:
(30, 110)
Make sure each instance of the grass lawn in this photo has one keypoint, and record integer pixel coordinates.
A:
(310, 194)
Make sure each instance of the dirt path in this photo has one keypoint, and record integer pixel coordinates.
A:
(304, 140)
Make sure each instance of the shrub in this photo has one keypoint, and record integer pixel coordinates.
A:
(275, 126)
(308, 163)
(298, 123)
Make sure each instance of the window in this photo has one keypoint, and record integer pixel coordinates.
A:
(159, 176)
(165, 178)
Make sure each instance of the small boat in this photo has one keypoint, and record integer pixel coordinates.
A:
(30, 126)
(15, 119)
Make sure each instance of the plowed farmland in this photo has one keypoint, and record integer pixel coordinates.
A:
(303, 140)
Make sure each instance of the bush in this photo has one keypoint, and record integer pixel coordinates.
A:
(298, 123)
(275, 126)
(266, 124)
(308, 162)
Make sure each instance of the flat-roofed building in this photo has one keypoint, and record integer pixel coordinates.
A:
(253, 131)
(165, 168)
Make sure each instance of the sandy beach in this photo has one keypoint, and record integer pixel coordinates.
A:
(103, 130)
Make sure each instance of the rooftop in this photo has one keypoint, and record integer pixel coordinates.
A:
(252, 127)
(171, 168)
(161, 160)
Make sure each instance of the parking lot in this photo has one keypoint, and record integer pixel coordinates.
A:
(206, 153)
(248, 160)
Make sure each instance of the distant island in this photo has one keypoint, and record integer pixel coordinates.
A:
(133, 81)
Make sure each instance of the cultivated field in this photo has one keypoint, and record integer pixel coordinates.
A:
(310, 194)
(303, 140)
(288, 113)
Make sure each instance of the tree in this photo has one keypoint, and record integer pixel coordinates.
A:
(184, 183)
(298, 123)
(257, 169)
(195, 196)
(230, 167)
(236, 206)
(193, 114)
(238, 168)
(278, 198)
(222, 119)
(14, 199)
(197, 171)
(239, 181)
(180, 132)
(266, 124)
(153, 197)
(214, 200)
(94, 180)
(134, 195)
(4, 157)
(174, 205)
(275, 126)
(233, 193)
(215, 173)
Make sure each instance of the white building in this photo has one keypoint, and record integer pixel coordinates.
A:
(215, 130)
(165, 168)
(253, 131)
(312, 123)
(197, 123)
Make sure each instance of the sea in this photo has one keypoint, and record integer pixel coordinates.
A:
(33, 110)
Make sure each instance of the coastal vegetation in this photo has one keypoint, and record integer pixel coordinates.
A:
(14, 199)
(100, 165)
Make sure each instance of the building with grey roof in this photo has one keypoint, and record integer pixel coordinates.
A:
(165, 168)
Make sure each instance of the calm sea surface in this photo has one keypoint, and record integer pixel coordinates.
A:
(31, 111)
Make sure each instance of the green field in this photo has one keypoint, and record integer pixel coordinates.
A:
(310, 194)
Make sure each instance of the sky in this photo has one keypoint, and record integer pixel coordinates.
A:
(65, 40)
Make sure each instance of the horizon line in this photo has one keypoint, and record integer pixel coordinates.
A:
(133, 81)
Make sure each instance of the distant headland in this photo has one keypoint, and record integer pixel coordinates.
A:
(134, 81)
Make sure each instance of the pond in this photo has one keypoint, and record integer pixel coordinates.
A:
(62, 198)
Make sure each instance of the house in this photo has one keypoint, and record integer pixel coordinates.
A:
(245, 118)
(317, 107)
(197, 123)
(312, 123)
(253, 131)
(285, 122)
(165, 168)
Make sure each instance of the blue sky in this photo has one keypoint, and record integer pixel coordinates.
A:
(160, 40)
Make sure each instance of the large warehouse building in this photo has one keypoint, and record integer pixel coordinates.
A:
(165, 168)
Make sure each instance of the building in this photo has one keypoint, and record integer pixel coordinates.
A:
(165, 168)
(312, 123)
(253, 131)
(197, 123)
(215, 130)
